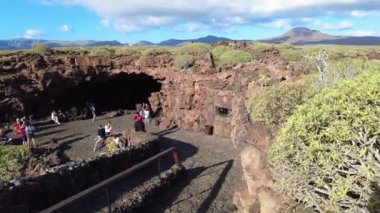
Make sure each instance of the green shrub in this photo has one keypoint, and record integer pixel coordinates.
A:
(219, 50)
(327, 154)
(40, 49)
(290, 55)
(273, 105)
(102, 52)
(111, 145)
(194, 49)
(183, 61)
(125, 51)
(11, 158)
(155, 51)
(233, 57)
(263, 47)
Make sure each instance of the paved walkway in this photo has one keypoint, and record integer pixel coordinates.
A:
(212, 163)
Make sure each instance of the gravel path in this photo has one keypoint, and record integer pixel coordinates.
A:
(212, 163)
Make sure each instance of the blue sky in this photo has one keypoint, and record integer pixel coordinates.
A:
(129, 21)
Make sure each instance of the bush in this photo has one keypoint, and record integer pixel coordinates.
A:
(101, 52)
(273, 105)
(327, 154)
(110, 144)
(40, 49)
(124, 51)
(195, 49)
(290, 55)
(154, 51)
(220, 50)
(233, 57)
(263, 47)
(11, 158)
(183, 61)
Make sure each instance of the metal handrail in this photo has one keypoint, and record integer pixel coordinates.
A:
(106, 183)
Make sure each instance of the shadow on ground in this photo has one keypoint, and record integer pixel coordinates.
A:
(118, 191)
(173, 193)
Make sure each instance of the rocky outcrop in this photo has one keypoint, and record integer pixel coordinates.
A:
(189, 100)
(258, 193)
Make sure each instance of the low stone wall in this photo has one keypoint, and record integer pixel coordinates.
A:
(33, 194)
(141, 196)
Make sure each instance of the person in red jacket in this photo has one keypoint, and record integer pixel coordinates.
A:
(20, 129)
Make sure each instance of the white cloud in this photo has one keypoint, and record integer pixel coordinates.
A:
(359, 33)
(344, 25)
(229, 30)
(65, 28)
(133, 15)
(105, 23)
(277, 24)
(359, 13)
(33, 33)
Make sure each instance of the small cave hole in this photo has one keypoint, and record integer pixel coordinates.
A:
(222, 111)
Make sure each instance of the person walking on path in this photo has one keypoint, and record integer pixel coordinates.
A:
(108, 128)
(100, 137)
(29, 130)
(93, 112)
(20, 129)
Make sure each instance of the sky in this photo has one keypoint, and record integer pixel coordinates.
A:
(130, 21)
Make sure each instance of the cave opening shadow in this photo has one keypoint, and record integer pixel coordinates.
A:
(121, 91)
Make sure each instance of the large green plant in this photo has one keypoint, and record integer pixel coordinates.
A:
(233, 57)
(273, 105)
(327, 153)
(11, 158)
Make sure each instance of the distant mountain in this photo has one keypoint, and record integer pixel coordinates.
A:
(306, 36)
(208, 40)
(143, 43)
(23, 43)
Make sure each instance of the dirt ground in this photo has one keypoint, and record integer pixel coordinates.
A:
(212, 164)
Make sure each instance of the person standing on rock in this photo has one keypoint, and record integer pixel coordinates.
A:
(93, 112)
(100, 137)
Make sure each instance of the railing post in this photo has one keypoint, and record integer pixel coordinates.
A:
(108, 199)
(159, 168)
(176, 157)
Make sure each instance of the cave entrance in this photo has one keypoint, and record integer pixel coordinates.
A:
(121, 91)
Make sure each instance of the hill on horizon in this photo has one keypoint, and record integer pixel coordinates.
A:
(306, 36)
(23, 43)
(295, 36)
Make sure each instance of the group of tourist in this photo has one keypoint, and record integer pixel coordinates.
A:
(142, 117)
(24, 129)
(56, 117)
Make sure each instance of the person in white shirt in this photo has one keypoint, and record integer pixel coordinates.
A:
(108, 128)
(146, 115)
(93, 112)
(119, 142)
(54, 117)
